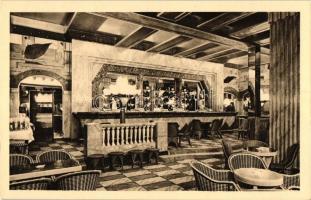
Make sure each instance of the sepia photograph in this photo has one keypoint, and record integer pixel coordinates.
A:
(193, 101)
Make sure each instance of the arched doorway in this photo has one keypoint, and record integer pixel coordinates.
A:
(41, 99)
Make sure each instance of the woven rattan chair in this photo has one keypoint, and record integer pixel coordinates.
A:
(242, 130)
(20, 160)
(209, 179)
(52, 156)
(245, 160)
(215, 127)
(227, 148)
(291, 181)
(288, 161)
(84, 180)
(184, 134)
(19, 147)
(35, 184)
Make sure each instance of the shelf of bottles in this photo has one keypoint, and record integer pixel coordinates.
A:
(158, 94)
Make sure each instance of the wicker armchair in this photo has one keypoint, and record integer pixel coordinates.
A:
(84, 180)
(288, 161)
(245, 160)
(209, 179)
(20, 159)
(53, 155)
(35, 184)
(227, 148)
(215, 127)
(19, 147)
(291, 181)
(184, 134)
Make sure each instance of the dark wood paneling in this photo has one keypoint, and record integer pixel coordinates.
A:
(284, 82)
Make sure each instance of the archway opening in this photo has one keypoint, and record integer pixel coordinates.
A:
(41, 99)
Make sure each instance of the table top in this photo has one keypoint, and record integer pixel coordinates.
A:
(24, 134)
(258, 177)
(44, 169)
(254, 151)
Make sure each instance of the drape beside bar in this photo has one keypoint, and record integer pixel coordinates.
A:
(284, 82)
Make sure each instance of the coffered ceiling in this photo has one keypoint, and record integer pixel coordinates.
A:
(221, 37)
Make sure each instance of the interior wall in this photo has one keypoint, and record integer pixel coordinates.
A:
(284, 82)
(88, 58)
(55, 63)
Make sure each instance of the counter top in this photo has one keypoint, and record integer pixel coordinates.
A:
(150, 114)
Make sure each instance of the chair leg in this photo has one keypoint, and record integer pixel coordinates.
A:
(189, 140)
(141, 158)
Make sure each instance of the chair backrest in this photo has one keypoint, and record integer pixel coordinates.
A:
(292, 153)
(221, 120)
(245, 160)
(20, 159)
(227, 148)
(172, 129)
(84, 180)
(243, 124)
(185, 129)
(196, 125)
(291, 180)
(254, 143)
(209, 179)
(215, 125)
(35, 184)
(53, 155)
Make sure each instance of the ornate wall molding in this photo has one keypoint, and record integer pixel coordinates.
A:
(16, 79)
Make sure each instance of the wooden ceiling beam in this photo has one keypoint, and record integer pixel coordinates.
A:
(135, 37)
(220, 53)
(36, 24)
(251, 30)
(214, 51)
(230, 20)
(225, 58)
(196, 49)
(70, 21)
(172, 27)
(257, 36)
(169, 44)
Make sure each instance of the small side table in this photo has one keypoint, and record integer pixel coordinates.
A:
(153, 152)
(134, 154)
(114, 156)
(96, 161)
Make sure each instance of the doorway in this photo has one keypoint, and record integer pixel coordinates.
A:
(43, 105)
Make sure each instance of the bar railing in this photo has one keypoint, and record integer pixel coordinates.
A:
(124, 137)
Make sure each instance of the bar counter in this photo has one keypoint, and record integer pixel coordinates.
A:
(91, 124)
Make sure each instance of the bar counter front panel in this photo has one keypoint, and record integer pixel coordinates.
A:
(91, 123)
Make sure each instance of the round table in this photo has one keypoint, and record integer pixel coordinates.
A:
(258, 177)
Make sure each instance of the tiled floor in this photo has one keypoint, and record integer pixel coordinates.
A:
(164, 176)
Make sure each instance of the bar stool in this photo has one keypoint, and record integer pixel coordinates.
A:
(136, 153)
(152, 152)
(96, 161)
(113, 158)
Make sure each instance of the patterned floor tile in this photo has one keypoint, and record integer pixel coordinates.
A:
(113, 177)
(166, 172)
(177, 166)
(190, 172)
(137, 173)
(182, 179)
(150, 181)
(185, 161)
(115, 182)
(142, 177)
(188, 185)
(76, 153)
(109, 173)
(158, 185)
(139, 188)
(121, 186)
(154, 166)
(174, 176)
(170, 188)
(67, 146)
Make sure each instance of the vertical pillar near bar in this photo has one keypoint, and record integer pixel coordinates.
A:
(257, 81)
